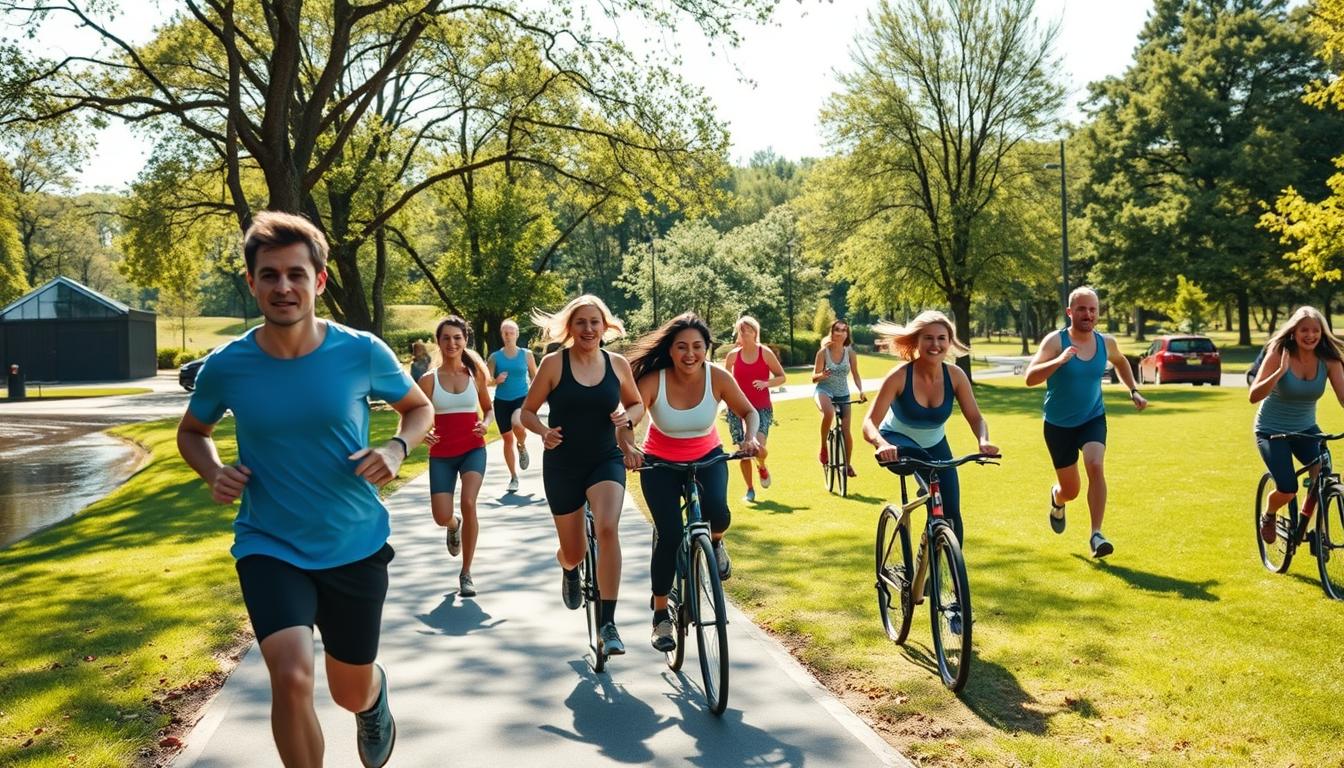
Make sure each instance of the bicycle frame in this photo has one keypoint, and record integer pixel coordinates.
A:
(930, 496)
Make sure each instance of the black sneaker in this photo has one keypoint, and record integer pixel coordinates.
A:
(376, 731)
(610, 640)
(725, 564)
(570, 590)
(1100, 546)
(1057, 520)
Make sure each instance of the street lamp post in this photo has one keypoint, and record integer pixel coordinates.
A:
(788, 288)
(1063, 224)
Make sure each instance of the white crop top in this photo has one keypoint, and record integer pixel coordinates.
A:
(691, 422)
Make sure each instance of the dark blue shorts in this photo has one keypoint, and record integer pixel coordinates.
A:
(443, 472)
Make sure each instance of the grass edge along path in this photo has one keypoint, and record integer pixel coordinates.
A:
(1179, 650)
(121, 620)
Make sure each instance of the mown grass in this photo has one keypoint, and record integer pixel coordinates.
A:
(1178, 650)
(106, 614)
(68, 393)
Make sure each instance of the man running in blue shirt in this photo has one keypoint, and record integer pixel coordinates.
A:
(310, 538)
(1071, 363)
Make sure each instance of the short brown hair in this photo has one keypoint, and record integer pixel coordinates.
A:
(276, 228)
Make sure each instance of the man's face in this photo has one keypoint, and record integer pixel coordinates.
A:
(285, 283)
(1083, 312)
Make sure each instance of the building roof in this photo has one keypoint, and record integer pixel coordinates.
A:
(62, 298)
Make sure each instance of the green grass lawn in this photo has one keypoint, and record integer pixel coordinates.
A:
(114, 615)
(1180, 649)
(67, 393)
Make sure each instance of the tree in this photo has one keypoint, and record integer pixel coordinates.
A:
(942, 93)
(1183, 148)
(340, 109)
(13, 281)
(1190, 306)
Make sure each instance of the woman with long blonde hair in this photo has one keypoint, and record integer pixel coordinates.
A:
(594, 405)
(756, 369)
(1307, 355)
(911, 409)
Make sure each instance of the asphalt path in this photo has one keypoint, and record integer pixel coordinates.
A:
(504, 678)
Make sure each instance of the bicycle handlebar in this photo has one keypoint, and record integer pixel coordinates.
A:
(911, 461)
(1322, 436)
(687, 466)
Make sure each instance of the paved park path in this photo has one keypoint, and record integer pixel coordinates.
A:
(503, 679)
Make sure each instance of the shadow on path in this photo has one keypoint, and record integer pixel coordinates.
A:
(610, 719)
(458, 618)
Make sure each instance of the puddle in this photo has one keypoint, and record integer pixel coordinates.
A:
(42, 484)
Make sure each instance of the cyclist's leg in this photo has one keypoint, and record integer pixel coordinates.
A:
(827, 408)
(714, 496)
(848, 425)
(662, 495)
(606, 498)
(950, 483)
(1278, 458)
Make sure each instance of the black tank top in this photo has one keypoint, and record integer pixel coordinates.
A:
(584, 414)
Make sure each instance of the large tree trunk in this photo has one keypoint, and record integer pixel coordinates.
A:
(961, 315)
(1138, 323)
(1227, 315)
(1244, 318)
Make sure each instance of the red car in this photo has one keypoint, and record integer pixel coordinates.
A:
(1181, 359)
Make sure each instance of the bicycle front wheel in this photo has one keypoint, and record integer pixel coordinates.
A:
(710, 616)
(680, 614)
(950, 608)
(1278, 555)
(592, 601)
(1330, 542)
(895, 569)
(828, 469)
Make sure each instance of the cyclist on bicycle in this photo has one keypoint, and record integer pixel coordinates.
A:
(835, 361)
(591, 392)
(682, 391)
(1300, 357)
(911, 409)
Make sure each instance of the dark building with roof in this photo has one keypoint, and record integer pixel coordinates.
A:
(65, 331)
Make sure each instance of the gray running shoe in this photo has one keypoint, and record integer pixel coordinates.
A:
(610, 640)
(1100, 546)
(513, 485)
(466, 587)
(376, 731)
(664, 637)
(570, 589)
(725, 564)
(455, 538)
(523, 459)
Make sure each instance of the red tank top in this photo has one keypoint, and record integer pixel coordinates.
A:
(745, 373)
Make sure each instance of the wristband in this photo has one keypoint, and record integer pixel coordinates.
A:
(405, 449)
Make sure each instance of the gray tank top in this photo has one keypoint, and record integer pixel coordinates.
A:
(1291, 405)
(837, 384)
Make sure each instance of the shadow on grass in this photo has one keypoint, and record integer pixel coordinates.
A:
(1154, 582)
(992, 693)
(776, 508)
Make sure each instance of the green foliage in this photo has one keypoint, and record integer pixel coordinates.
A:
(1190, 306)
(822, 317)
(173, 357)
(13, 280)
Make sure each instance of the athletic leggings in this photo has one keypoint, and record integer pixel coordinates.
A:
(950, 484)
(662, 492)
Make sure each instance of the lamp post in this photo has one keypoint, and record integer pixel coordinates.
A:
(1063, 225)
(788, 289)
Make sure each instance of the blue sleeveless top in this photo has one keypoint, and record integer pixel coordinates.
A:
(1291, 405)
(1073, 391)
(514, 387)
(926, 426)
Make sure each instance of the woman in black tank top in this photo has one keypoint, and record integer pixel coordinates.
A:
(593, 406)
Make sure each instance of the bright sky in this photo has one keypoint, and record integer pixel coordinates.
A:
(789, 67)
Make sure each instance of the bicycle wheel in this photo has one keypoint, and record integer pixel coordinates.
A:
(950, 608)
(592, 600)
(1277, 556)
(894, 572)
(680, 614)
(1330, 541)
(828, 469)
(842, 463)
(710, 616)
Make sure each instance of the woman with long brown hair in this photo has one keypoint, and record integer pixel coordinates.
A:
(835, 362)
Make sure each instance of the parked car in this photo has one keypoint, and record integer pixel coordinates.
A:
(1181, 359)
(186, 373)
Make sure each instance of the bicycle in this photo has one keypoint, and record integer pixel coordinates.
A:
(1324, 491)
(698, 576)
(592, 596)
(902, 577)
(836, 468)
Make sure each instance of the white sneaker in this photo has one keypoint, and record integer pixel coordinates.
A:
(513, 485)
(664, 637)
(523, 459)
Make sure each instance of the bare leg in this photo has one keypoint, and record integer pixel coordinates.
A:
(827, 409)
(289, 659)
(1094, 454)
(441, 506)
(510, 460)
(1068, 485)
(606, 498)
(573, 536)
(746, 472)
(354, 687)
(471, 487)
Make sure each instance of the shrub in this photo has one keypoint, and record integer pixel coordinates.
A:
(167, 357)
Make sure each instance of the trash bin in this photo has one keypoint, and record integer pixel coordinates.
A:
(16, 387)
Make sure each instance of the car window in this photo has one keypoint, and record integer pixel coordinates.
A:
(1184, 346)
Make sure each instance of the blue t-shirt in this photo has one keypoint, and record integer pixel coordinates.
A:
(297, 421)
(514, 387)
(1073, 391)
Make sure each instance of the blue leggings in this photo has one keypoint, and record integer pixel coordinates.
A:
(1278, 456)
(947, 478)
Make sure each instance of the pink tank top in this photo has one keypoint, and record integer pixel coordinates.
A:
(745, 373)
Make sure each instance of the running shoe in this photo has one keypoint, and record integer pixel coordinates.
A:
(610, 640)
(1100, 546)
(1268, 528)
(513, 485)
(664, 636)
(751, 495)
(1057, 520)
(455, 538)
(725, 565)
(570, 590)
(523, 459)
(765, 477)
(376, 731)
(466, 587)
